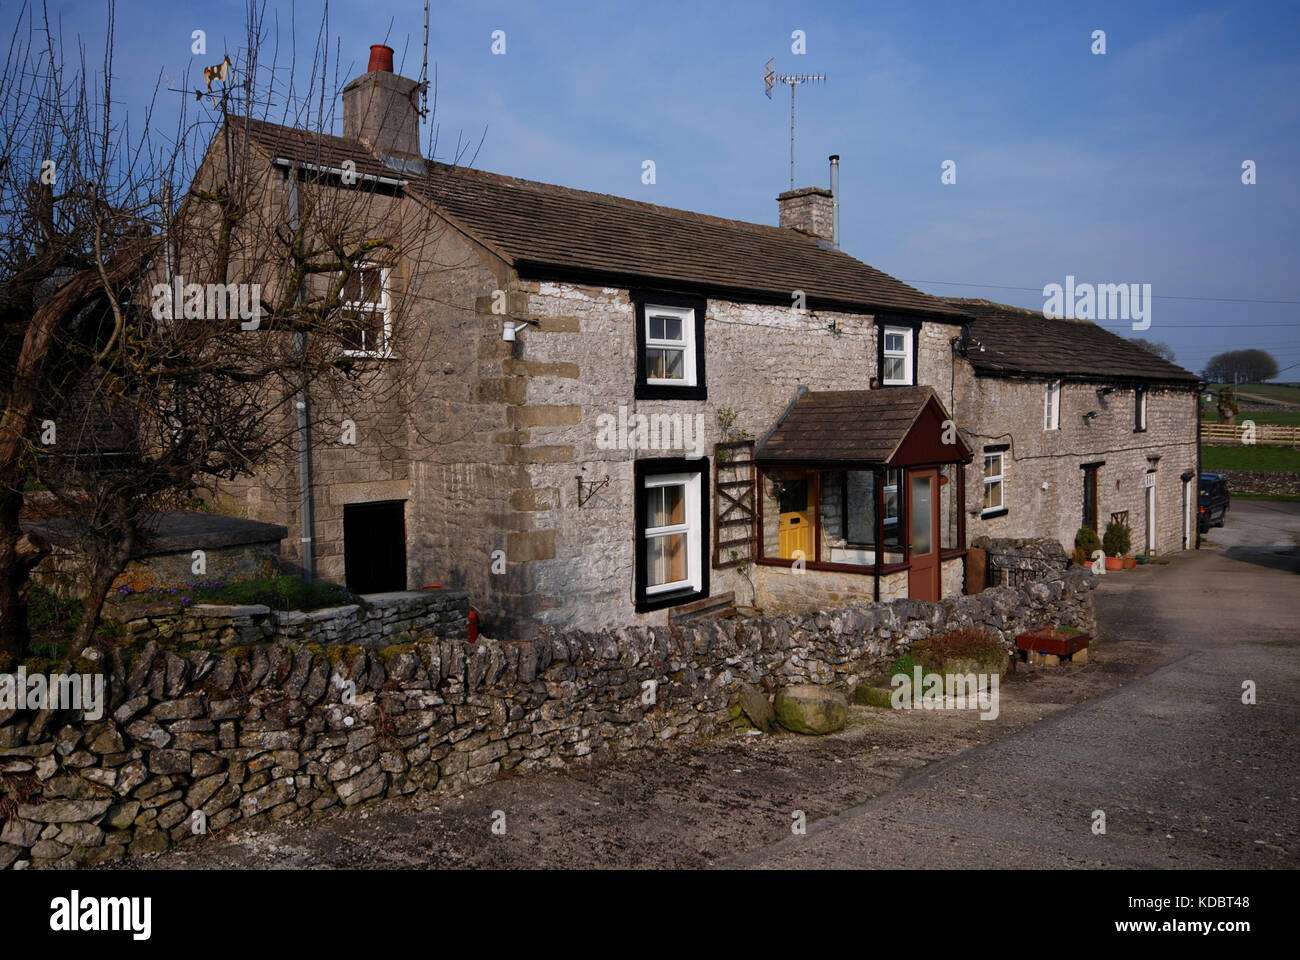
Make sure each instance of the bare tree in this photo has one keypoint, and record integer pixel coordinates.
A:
(153, 350)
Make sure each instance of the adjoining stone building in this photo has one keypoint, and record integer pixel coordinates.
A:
(1075, 426)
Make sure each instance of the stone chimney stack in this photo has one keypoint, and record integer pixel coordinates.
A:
(809, 210)
(381, 109)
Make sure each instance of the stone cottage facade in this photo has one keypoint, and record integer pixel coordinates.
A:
(555, 456)
(609, 412)
(1073, 426)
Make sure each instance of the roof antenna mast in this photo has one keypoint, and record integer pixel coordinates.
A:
(424, 67)
(771, 77)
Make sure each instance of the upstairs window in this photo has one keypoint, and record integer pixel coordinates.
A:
(364, 315)
(1140, 410)
(1052, 406)
(896, 367)
(670, 348)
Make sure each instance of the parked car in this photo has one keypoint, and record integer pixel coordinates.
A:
(1214, 500)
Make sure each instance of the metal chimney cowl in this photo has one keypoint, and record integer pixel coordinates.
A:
(835, 199)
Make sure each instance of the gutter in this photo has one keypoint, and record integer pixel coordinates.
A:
(337, 171)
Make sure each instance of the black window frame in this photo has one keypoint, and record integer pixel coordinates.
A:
(644, 390)
(915, 326)
(642, 468)
(1139, 418)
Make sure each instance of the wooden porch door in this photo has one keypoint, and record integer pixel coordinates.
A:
(923, 579)
(795, 531)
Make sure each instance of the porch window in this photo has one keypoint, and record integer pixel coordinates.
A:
(829, 516)
(949, 507)
(897, 356)
(848, 517)
(892, 511)
(364, 311)
(993, 479)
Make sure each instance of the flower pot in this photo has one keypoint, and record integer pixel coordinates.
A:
(1130, 563)
(1143, 558)
(1114, 563)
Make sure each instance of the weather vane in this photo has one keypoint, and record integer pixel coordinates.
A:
(770, 77)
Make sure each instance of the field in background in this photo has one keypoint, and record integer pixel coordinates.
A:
(1289, 417)
(1277, 392)
(1256, 457)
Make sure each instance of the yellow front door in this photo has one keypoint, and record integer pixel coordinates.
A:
(795, 531)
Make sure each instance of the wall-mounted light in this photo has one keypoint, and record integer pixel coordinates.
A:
(514, 326)
(965, 343)
(1088, 417)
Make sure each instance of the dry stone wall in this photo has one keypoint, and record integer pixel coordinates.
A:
(381, 619)
(192, 742)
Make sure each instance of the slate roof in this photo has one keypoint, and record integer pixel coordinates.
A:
(1024, 342)
(545, 230)
(863, 426)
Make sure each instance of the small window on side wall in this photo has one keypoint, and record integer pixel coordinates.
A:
(1139, 410)
(896, 354)
(1052, 405)
(994, 480)
(670, 347)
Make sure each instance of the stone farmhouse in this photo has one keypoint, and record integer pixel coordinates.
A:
(640, 413)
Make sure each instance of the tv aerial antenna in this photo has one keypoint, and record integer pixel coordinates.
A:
(424, 67)
(771, 78)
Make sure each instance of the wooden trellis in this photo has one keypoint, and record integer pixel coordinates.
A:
(735, 507)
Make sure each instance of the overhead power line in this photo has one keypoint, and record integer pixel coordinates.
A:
(1157, 296)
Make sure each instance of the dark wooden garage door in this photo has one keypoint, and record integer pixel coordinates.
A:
(374, 546)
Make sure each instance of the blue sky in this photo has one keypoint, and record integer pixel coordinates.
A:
(1117, 168)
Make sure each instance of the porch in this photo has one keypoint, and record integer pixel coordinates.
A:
(860, 498)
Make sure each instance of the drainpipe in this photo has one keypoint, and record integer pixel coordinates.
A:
(835, 200)
(1196, 480)
(301, 403)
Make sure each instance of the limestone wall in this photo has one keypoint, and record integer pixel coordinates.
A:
(192, 742)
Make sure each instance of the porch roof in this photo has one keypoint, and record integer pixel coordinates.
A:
(892, 426)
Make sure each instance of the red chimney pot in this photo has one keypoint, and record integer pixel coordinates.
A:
(381, 58)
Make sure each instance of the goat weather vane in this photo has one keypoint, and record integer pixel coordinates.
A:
(770, 78)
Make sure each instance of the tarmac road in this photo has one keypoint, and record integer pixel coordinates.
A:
(1185, 773)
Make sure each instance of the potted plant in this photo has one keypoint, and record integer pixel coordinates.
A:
(1116, 543)
(1086, 543)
